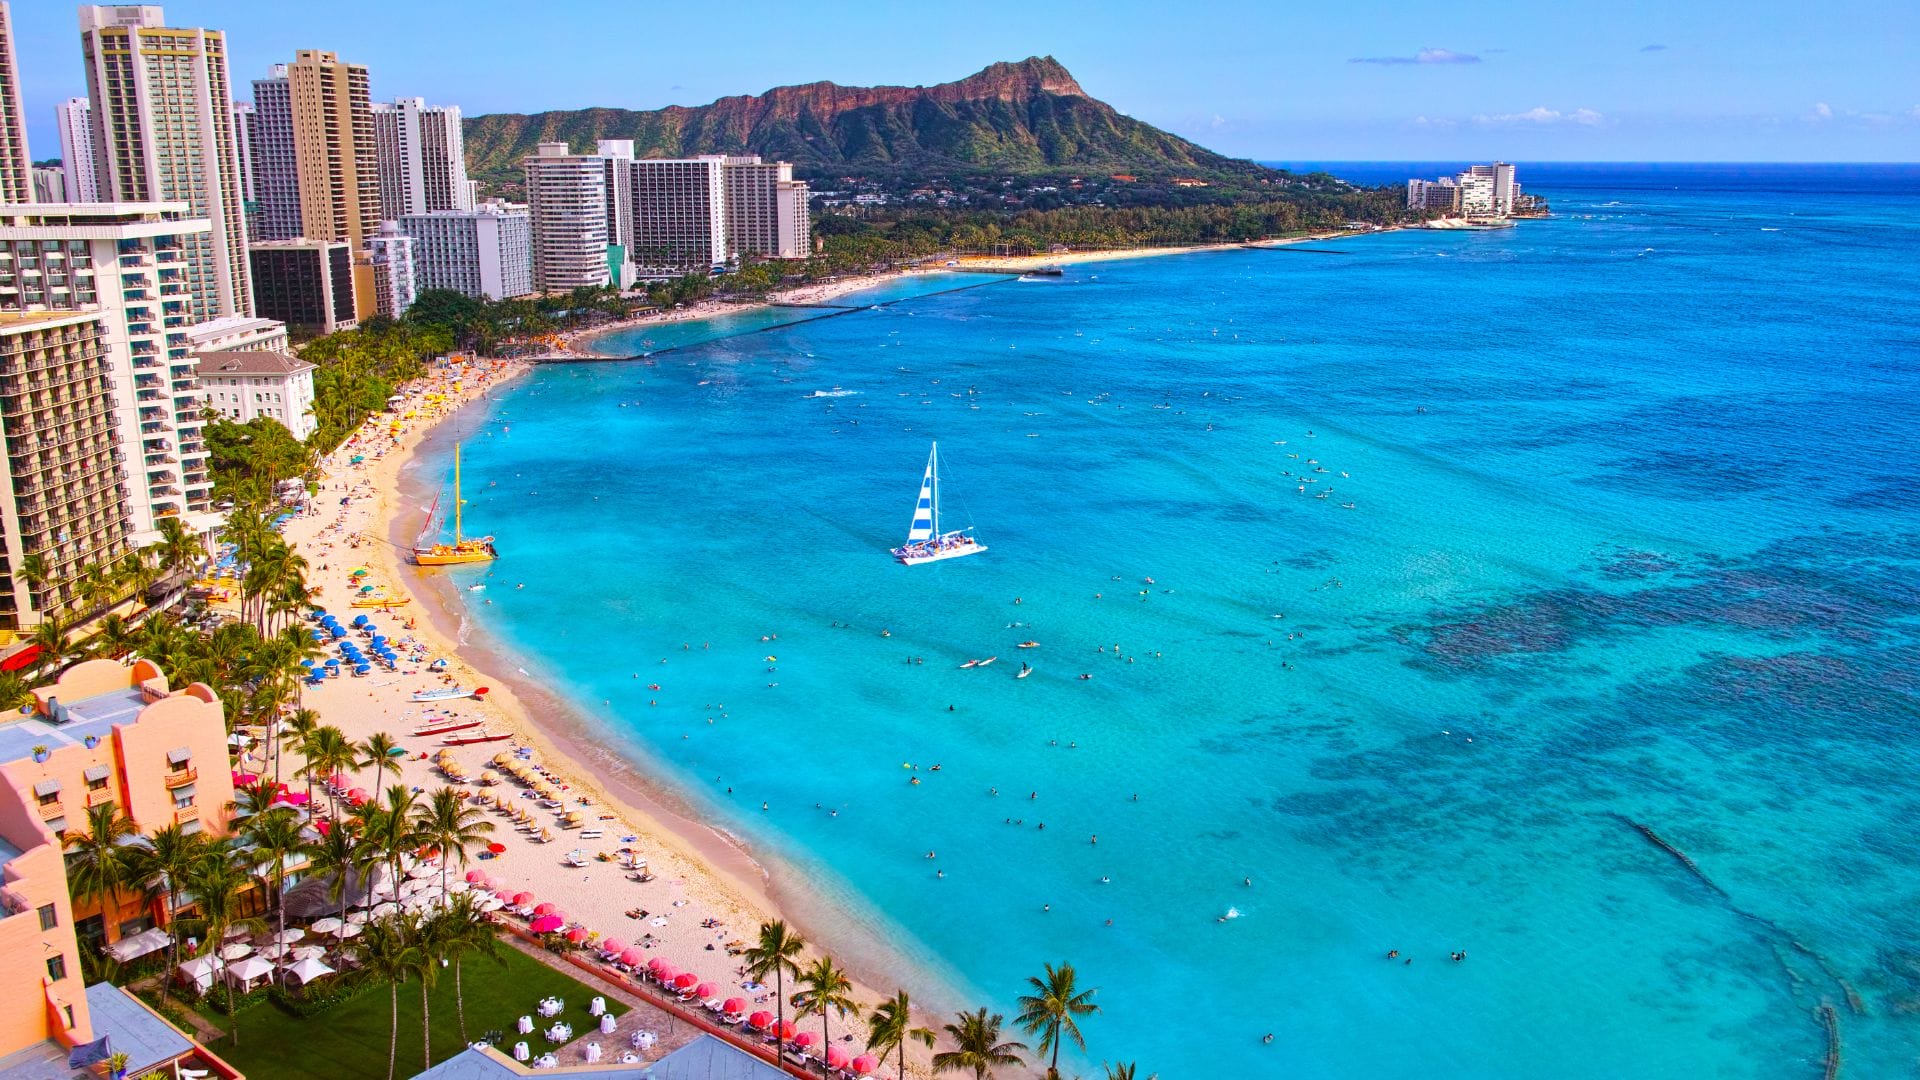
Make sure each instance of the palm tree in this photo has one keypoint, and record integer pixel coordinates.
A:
(1125, 1071)
(219, 883)
(328, 753)
(35, 572)
(827, 990)
(254, 798)
(100, 864)
(429, 941)
(113, 638)
(15, 691)
(389, 958)
(389, 830)
(448, 823)
(335, 853)
(163, 864)
(296, 725)
(890, 1027)
(977, 1046)
(464, 930)
(1052, 1011)
(179, 547)
(51, 637)
(377, 751)
(275, 836)
(96, 587)
(775, 955)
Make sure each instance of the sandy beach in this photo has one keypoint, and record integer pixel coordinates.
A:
(580, 343)
(707, 895)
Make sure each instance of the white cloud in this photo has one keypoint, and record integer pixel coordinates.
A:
(1541, 116)
(1424, 56)
(1821, 112)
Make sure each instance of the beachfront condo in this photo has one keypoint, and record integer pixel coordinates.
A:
(133, 264)
(74, 118)
(568, 198)
(307, 284)
(162, 127)
(766, 209)
(395, 280)
(103, 733)
(486, 252)
(61, 501)
(273, 208)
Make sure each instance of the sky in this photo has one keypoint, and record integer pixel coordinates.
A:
(1686, 80)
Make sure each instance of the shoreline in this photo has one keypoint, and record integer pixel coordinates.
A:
(579, 344)
(711, 873)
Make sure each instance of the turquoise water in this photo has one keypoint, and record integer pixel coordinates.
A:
(1633, 540)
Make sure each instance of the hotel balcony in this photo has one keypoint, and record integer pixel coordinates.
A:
(100, 798)
(182, 778)
(184, 814)
(51, 810)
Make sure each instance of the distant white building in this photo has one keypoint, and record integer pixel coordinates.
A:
(485, 253)
(567, 199)
(245, 385)
(766, 209)
(423, 164)
(1478, 191)
(395, 283)
(49, 184)
(74, 117)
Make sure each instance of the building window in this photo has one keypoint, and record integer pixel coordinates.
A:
(49, 917)
(56, 968)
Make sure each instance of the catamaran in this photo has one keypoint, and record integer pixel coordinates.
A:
(463, 550)
(925, 542)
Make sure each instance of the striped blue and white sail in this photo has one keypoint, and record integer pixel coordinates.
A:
(923, 510)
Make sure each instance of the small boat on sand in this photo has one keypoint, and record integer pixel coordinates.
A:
(469, 740)
(446, 728)
(446, 693)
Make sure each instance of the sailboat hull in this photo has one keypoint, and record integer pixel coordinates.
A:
(915, 558)
(452, 556)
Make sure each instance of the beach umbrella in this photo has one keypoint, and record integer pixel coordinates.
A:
(545, 909)
(547, 924)
(325, 926)
(666, 973)
(632, 957)
(733, 1006)
(705, 990)
(656, 965)
(275, 952)
(521, 899)
(289, 936)
(864, 1065)
(455, 888)
(836, 1058)
(235, 951)
(761, 1020)
(612, 946)
(577, 935)
(477, 877)
(785, 1029)
(686, 980)
(234, 932)
(492, 903)
(804, 1040)
(382, 910)
(497, 848)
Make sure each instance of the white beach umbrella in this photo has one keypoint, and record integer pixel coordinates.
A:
(492, 903)
(310, 952)
(235, 951)
(424, 870)
(235, 931)
(358, 918)
(325, 926)
(381, 911)
(347, 931)
(457, 887)
(275, 952)
(289, 935)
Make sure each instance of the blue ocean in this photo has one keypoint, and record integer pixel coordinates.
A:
(1546, 597)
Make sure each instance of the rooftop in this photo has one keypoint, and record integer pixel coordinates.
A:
(705, 1058)
(250, 362)
(27, 320)
(90, 716)
(230, 324)
(130, 1028)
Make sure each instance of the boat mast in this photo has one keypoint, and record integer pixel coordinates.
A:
(933, 462)
(456, 494)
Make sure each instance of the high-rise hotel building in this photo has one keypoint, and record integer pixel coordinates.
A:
(276, 179)
(162, 118)
(766, 207)
(129, 265)
(568, 198)
(333, 148)
(679, 215)
(16, 165)
(423, 164)
(485, 252)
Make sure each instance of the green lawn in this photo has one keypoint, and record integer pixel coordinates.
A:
(350, 1040)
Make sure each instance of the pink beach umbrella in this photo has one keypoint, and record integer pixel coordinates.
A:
(733, 1006)
(613, 946)
(632, 957)
(836, 1058)
(656, 964)
(785, 1029)
(476, 877)
(546, 909)
(761, 1020)
(547, 924)
(804, 1040)
(706, 991)
(686, 980)
(522, 898)
(666, 973)
(577, 935)
(864, 1065)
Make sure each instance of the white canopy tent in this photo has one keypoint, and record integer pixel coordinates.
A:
(244, 972)
(201, 970)
(309, 969)
(135, 946)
